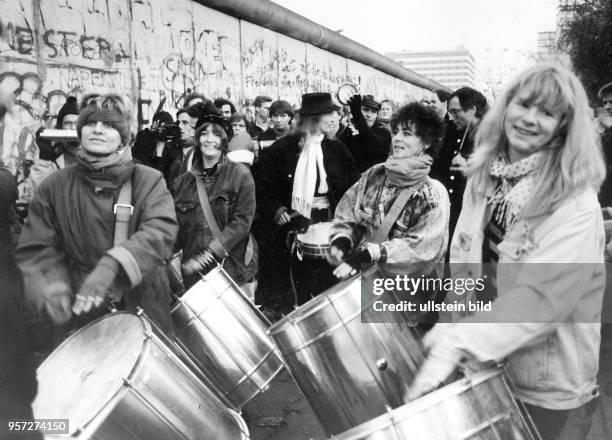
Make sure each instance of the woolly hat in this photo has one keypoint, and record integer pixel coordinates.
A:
(70, 107)
(92, 113)
(241, 141)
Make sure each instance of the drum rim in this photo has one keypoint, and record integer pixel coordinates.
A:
(314, 227)
(422, 403)
(93, 421)
(310, 308)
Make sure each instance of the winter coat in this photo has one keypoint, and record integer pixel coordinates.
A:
(71, 227)
(231, 193)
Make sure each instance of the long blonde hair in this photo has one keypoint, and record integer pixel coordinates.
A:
(573, 159)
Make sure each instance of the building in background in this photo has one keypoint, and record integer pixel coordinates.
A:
(453, 68)
(546, 45)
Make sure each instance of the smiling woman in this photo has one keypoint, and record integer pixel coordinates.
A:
(413, 240)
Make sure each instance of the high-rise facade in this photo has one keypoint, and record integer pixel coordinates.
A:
(453, 68)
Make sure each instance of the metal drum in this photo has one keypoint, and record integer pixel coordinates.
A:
(314, 242)
(480, 407)
(117, 379)
(349, 371)
(225, 336)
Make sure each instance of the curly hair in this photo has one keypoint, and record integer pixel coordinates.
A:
(427, 124)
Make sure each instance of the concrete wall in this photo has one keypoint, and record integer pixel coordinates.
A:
(149, 49)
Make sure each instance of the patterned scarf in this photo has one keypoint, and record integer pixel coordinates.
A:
(304, 182)
(407, 171)
(517, 182)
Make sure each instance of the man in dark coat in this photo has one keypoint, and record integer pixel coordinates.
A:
(367, 139)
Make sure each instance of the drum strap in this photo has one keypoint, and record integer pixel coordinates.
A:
(123, 210)
(396, 209)
(212, 223)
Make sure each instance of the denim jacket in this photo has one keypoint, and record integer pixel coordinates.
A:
(231, 193)
(547, 316)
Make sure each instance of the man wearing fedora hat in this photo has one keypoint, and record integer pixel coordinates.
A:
(366, 138)
(300, 179)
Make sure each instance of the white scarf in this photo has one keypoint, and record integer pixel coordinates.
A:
(311, 159)
(517, 182)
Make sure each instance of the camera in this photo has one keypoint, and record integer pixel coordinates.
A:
(169, 133)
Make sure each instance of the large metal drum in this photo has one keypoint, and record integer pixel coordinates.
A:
(480, 407)
(225, 336)
(117, 379)
(349, 371)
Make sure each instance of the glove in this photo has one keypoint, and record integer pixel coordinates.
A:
(354, 104)
(367, 254)
(199, 262)
(443, 357)
(97, 285)
(57, 303)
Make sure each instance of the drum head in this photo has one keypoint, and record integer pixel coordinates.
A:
(84, 373)
(345, 92)
(317, 234)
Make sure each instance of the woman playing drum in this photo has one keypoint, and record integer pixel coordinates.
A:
(531, 199)
(68, 247)
(301, 176)
(400, 213)
(231, 191)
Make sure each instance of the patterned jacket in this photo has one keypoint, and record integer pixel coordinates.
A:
(417, 241)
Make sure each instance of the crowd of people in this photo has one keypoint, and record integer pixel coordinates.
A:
(444, 179)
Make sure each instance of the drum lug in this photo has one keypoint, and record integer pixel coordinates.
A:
(382, 364)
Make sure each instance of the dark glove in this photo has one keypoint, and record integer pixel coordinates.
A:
(47, 149)
(359, 257)
(343, 244)
(97, 285)
(354, 104)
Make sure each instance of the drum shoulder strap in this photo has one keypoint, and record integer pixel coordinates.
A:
(212, 223)
(396, 209)
(123, 211)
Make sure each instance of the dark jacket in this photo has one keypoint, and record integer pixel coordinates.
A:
(71, 227)
(371, 146)
(276, 169)
(231, 192)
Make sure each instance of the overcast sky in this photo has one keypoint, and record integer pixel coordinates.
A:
(391, 25)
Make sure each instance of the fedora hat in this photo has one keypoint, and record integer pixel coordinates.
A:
(317, 104)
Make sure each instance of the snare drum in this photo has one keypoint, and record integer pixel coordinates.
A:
(349, 371)
(314, 242)
(225, 336)
(480, 407)
(116, 379)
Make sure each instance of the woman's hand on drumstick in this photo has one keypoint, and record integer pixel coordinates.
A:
(344, 270)
(58, 302)
(443, 357)
(199, 262)
(335, 255)
(282, 216)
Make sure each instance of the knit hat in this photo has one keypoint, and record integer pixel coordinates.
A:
(70, 107)
(240, 149)
(241, 141)
(92, 113)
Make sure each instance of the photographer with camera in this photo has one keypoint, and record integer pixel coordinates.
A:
(158, 146)
(54, 155)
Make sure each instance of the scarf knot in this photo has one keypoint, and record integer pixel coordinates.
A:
(309, 163)
(408, 171)
(106, 172)
(516, 183)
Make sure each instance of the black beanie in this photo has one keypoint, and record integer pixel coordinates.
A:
(69, 108)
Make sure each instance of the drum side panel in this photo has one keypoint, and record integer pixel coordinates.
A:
(226, 338)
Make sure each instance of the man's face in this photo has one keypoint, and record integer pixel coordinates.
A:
(226, 111)
(69, 122)
(280, 121)
(606, 101)
(262, 111)
(187, 125)
(434, 102)
(370, 115)
(461, 118)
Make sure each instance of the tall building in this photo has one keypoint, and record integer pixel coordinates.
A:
(546, 45)
(453, 68)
